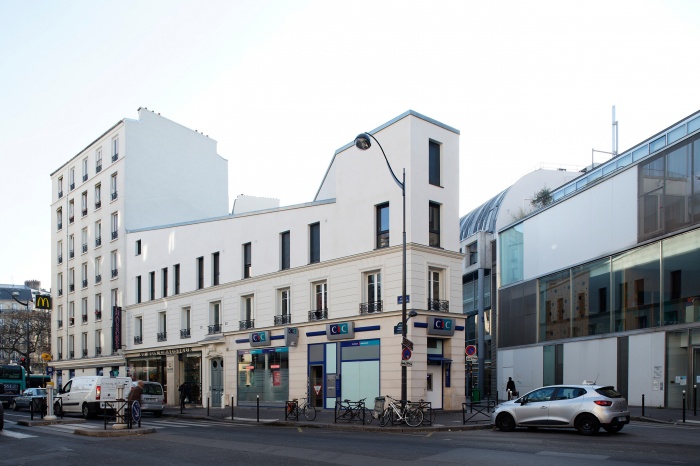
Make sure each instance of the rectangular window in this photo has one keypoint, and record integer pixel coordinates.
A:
(247, 313)
(152, 285)
(284, 240)
(164, 281)
(113, 187)
(98, 234)
(200, 273)
(71, 280)
(115, 225)
(84, 348)
(373, 293)
(115, 149)
(98, 269)
(436, 293)
(138, 330)
(382, 226)
(71, 211)
(59, 252)
(176, 278)
(59, 316)
(434, 163)
(84, 203)
(114, 262)
(98, 196)
(98, 342)
(60, 187)
(84, 310)
(472, 255)
(71, 179)
(283, 315)
(320, 291)
(59, 218)
(138, 247)
(98, 306)
(85, 169)
(98, 160)
(71, 313)
(84, 237)
(84, 278)
(138, 289)
(215, 269)
(434, 224)
(247, 264)
(162, 327)
(215, 317)
(71, 347)
(185, 323)
(71, 246)
(59, 347)
(314, 243)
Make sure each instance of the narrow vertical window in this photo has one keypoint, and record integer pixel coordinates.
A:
(138, 247)
(176, 278)
(164, 281)
(138, 289)
(98, 160)
(113, 186)
(200, 273)
(284, 239)
(382, 226)
(59, 218)
(115, 225)
(434, 163)
(314, 243)
(115, 149)
(434, 224)
(98, 234)
(60, 187)
(152, 285)
(247, 264)
(85, 169)
(215, 269)
(98, 196)
(84, 203)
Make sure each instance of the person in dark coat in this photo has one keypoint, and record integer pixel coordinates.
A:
(184, 394)
(510, 388)
(136, 392)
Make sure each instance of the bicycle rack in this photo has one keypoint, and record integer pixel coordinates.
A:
(355, 408)
(291, 411)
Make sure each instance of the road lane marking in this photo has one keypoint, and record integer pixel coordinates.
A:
(573, 455)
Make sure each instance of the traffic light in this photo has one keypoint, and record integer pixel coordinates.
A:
(23, 363)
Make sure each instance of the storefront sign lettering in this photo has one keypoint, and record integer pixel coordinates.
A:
(259, 338)
(340, 331)
(441, 326)
(165, 352)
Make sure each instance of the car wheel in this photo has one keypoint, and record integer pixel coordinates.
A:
(86, 411)
(14, 406)
(587, 424)
(57, 409)
(505, 422)
(613, 428)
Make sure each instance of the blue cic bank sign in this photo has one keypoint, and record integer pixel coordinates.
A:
(441, 326)
(340, 330)
(259, 338)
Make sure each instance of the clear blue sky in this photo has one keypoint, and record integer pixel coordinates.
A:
(282, 84)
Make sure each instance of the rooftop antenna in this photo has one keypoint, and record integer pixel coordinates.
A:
(615, 134)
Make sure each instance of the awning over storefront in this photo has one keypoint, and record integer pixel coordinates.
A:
(438, 359)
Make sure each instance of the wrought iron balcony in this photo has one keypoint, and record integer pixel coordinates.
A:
(283, 319)
(60, 225)
(115, 234)
(138, 340)
(60, 259)
(71, 288)
(98, 204)
(72, 186)
(98, 278)
(71, 321)
(85, 283)
(98, 241)
(98, 350)
(59, 323)
(246, 324)
(60, 194)
(439, 305)
(84, 318)
(162, 336)
(115, 157)
(371, 307)
(319, 314)
(60, 355)
(115, 273)
(98, 315)
(71, 219)
(60, 292)
(114, 195)
(85, 177)
(98, 168)
(71, 254)
(84, 247)
(71, 354)
(185, 333)
(85, 353)
(215, 328)
(84, 211)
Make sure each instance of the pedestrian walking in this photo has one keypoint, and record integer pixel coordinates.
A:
(184, 394)
(136, 392)
(510, 388)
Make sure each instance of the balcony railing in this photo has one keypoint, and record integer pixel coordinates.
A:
(115, 157)
(60, 225)
(84, 211)
(216, 328)
(185, 333)
(85, 177)
(59, 323)
(98, 350)
(98, 315)
(71, 354)
(98, 278)
(60, 355)
(439, 305)
(84, 247)
(71, 288)
(319, 314)
(138, 340)
(246, 324)
(98, 241)
(71, 321)
(72, 186)
(98, 168)
(98, 204)
(60, 194)
(115, 273)
(71, 219)
(71, 254)
(84, 316)
(85, 283)
(60, 292)
(85, 353)
(162, 336)
(114, 195)
(371, 308)
(115, 234)
(60, 259)
(283, 319)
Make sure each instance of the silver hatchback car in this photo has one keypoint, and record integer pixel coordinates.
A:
(585, 407)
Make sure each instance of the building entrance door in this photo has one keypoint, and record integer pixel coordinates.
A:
(434, 386)
(696, 374)
(217, 381)
(316, 387)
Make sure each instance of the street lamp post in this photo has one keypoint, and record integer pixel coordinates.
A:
(363, 142)
(15, 296)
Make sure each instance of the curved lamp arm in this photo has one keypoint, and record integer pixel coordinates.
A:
(363, 142)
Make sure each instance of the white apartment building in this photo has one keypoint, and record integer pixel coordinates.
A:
(304, 300)
(138, 173)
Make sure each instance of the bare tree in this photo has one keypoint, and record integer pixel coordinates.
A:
(20, 326)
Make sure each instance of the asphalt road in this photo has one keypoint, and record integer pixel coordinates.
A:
(180, 442)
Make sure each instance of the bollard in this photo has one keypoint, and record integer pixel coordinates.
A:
(684, 406)
(258, 406)
(695, 400)
(232, 408)
(642, 404)
(208, 407)
(120, 408)
(50, 416)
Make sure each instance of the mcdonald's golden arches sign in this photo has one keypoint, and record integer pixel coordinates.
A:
(43, 302)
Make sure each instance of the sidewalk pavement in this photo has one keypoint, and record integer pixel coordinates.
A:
(444, 421)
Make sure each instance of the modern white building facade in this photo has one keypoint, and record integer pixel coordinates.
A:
(138, 173)
(603, 284)
(289, 302)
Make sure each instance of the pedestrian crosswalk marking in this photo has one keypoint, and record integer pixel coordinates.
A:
(13, 434)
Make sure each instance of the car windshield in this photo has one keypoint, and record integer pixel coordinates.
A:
(609, 392)
(152, 389)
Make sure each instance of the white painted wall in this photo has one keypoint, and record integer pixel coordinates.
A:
(524, 365)
(647, 352)
(592, 223)
(593, 360)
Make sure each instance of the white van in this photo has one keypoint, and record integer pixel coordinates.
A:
(87, 395)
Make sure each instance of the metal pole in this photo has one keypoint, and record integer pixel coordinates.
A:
(208, 402)
(684, 406)
(695, 400)
(642, 404)
(404, 333)
(257, 402)
(232, 408)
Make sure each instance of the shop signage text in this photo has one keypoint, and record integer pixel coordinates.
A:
(165, 352)
(259, 338)
(441, 326)
(340, 330)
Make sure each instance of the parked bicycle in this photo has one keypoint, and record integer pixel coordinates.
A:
(349, 411)
(398, 412)
(308, 410)
(426, 407)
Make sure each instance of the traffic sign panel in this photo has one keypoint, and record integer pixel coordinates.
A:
(407, 343)
(406, 354)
